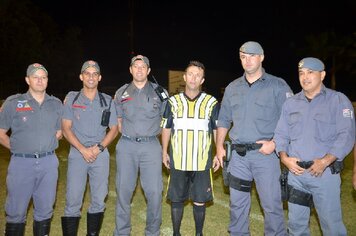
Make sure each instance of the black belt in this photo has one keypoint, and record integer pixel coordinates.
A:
(140, 138)
(33, 155)
(241, 149)
(305, 164)
(247, 146)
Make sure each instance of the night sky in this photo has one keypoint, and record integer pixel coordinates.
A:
(171, 33)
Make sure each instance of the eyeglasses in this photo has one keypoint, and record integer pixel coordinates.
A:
(88, 74)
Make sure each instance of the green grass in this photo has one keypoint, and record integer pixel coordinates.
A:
(217, 218)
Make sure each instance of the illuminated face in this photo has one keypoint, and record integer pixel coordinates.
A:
(139, 71)
(194, 78)
(311, 81)
(38, 81)
(251, 63)
(90, 78)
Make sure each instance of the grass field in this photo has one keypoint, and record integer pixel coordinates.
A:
(217, 218)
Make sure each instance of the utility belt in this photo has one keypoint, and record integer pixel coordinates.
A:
(33, 155)
(139, 139)
(293, 195)
(335, 168)
(229, 179)
(241, 149)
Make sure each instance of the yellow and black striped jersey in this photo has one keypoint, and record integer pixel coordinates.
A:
(192, 122)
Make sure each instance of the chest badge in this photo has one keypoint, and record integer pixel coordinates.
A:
(23, 106)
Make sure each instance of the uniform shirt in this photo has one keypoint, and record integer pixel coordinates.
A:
(191, 123)
(140, 109)
(310, 130)
(33, 126)
(86, 117)
(254, 110)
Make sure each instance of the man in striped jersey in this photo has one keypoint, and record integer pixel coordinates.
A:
(189, 123)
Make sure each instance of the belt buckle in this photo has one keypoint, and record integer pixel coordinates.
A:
(138, 139)
(37, 155)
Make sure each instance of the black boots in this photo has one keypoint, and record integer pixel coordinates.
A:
(70, 225)
(15, 229)
(94, 221)
(41, 228)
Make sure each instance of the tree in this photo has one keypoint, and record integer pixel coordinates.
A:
(339, 50)
(28, 35)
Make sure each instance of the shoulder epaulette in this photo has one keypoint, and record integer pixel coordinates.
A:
(106, 95)
(124, 86)
(15, 96)
(55, 98)
(69, 94)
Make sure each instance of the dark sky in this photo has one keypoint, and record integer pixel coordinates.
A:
(171, 33)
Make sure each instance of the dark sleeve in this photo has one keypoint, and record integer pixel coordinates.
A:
(167, 118)
(214, 116)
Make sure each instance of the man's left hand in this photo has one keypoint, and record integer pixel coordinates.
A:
(318, 168)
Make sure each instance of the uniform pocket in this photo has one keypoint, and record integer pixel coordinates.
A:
(152, 109)
(295, 125)
(265, 117)
(236, 110)
(325, 128)
(264, 110)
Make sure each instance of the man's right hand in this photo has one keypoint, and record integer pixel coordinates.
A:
(88, 154)
(166, 160)
(291, 164)
(220, 154)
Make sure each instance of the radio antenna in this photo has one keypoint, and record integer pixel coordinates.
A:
(154, 79)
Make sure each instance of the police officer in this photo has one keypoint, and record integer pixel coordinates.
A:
(253, 103)
(139, 110)
(34, 119)
(317, 126)
(87, 115)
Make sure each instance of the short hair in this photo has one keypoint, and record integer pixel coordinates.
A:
(197, 64)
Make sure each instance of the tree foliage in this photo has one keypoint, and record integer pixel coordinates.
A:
(337, 51)
(28, 35)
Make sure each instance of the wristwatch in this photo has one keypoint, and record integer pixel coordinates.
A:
(101, 147)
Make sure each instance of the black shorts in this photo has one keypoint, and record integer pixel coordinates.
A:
(194, 185)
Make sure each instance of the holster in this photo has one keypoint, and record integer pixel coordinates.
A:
(283, 179)
(299, 197)
(225, 174)
(336, 167)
